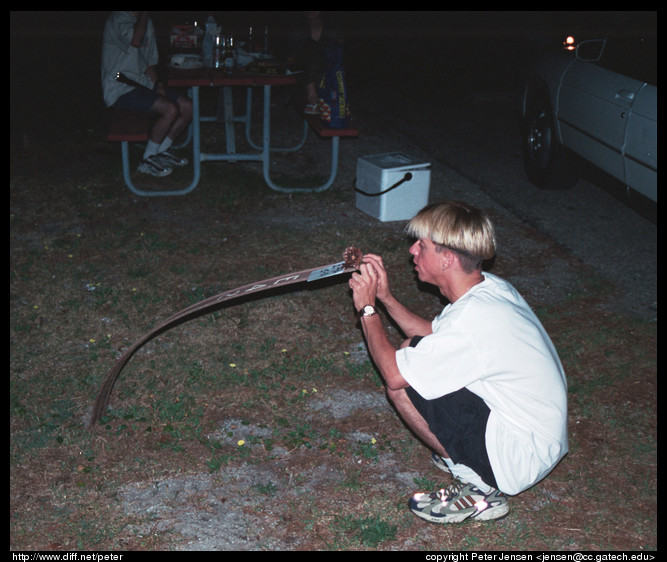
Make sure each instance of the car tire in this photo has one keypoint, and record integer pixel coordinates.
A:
(545, 160)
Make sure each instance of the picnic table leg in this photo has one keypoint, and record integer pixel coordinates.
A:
(266, 153)
(326, 185)
(228, 109)
(248, 122)
(196, 160)
(186, 141)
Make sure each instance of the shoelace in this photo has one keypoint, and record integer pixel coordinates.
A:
(445, 494)
(154, 162)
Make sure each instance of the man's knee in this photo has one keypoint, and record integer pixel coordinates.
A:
(172, 112)
(185, 107)
(166, 108)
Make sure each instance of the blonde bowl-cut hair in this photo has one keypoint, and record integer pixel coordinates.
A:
(459, 227)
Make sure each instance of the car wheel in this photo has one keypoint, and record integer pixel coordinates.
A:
(545, 160)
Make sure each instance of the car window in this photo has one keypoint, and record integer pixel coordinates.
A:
(632, 49)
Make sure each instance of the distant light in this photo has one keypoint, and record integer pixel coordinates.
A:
(568, 44)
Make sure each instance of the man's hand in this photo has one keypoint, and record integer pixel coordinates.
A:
(372, 283)
(367, 285)
(383, 292)
(139, 29)
(364, 286)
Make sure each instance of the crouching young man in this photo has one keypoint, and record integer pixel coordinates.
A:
(481, 385)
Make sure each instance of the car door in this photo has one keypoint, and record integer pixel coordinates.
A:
(593, 108)
(641, 148)
(607, 105)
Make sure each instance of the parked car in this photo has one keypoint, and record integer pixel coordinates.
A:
(599, 102)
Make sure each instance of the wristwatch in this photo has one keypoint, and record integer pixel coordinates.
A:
(368, 310)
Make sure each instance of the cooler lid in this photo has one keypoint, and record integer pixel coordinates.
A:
(395, 161)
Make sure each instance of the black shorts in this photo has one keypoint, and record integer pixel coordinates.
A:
(142, 99)
(458, 420)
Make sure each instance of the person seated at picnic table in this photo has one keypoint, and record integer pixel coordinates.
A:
(129, 47)
(309, 44)
(481, 385)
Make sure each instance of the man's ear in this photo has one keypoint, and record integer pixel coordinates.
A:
(447, 259)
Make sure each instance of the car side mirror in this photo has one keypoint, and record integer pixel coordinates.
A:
(591, 50)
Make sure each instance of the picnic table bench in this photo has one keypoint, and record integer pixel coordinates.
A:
(133, 127)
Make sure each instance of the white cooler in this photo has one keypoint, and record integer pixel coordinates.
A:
(377, 191)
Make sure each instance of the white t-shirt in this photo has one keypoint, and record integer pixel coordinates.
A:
(118, 55)
(491, 342)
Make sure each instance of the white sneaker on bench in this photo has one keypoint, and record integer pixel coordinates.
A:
(154, 167)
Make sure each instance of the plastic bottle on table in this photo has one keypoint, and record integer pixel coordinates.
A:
(208, 44)
(207, 50)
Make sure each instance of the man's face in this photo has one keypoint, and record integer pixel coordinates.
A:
(428, 262)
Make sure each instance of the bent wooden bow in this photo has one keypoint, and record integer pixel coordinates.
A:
(351, 261)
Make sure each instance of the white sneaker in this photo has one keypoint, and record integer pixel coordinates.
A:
(169, 159)
(154, 167)
(459, 502)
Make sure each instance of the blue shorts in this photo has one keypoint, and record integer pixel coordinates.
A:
(142, 99)
(458, 420)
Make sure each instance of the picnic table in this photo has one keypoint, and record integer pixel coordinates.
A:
(196, 78)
